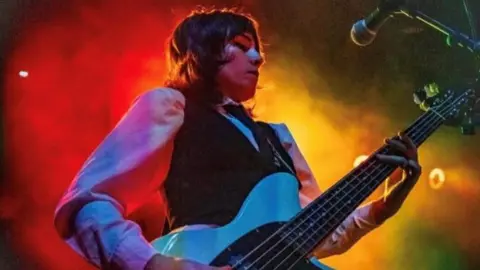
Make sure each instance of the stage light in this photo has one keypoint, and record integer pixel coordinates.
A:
(23, 73)
(359, 160)
(436, 178)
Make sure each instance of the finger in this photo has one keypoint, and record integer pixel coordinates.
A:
(414, 167)
(393, 160)
(412, 152)
(397, 145)
(411, 167)
(408, 141)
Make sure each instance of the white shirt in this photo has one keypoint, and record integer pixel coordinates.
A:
(119, 176)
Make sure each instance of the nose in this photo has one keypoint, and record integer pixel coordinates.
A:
(255, 57)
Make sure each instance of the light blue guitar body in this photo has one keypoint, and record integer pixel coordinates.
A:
(274, 199)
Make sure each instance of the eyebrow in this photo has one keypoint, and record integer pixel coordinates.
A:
(247, 36)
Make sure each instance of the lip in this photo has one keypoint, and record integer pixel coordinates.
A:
(254, 72)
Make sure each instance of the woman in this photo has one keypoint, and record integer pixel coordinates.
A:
(194, 146)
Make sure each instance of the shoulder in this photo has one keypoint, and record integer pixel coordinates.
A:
(158, 103)
(161, 96)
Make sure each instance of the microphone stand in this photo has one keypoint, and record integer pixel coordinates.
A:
(471, 117)
(461, 39)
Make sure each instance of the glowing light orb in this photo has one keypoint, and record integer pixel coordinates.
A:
(23, 73)
(436, 178)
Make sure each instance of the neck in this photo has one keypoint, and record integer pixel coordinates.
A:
(228, 101)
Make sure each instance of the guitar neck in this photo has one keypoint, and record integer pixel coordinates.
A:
(315, 222)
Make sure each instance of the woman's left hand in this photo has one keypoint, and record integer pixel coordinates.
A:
(406, 157)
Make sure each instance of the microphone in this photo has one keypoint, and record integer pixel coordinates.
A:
(364, 31)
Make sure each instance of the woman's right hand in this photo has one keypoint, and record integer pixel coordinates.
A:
(160, 262)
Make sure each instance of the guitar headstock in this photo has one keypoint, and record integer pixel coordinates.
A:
(456, 108)
(452, 105)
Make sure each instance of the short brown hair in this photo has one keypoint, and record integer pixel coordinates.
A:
(195, 48)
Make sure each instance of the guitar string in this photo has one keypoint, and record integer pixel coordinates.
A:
(435, 124)
(339, 209)
(423, 117)
(278, 231)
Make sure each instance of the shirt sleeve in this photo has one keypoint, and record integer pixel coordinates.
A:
(355, 226)
(125, 170)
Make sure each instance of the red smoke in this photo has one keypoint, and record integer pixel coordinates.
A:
(86, 61)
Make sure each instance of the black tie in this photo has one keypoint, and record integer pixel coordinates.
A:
(239, 112)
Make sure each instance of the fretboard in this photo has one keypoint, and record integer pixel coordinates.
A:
(316, 221)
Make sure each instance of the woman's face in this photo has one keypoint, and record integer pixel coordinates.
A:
(238, 77)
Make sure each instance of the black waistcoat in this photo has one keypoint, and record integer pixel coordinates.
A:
(214, 167)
